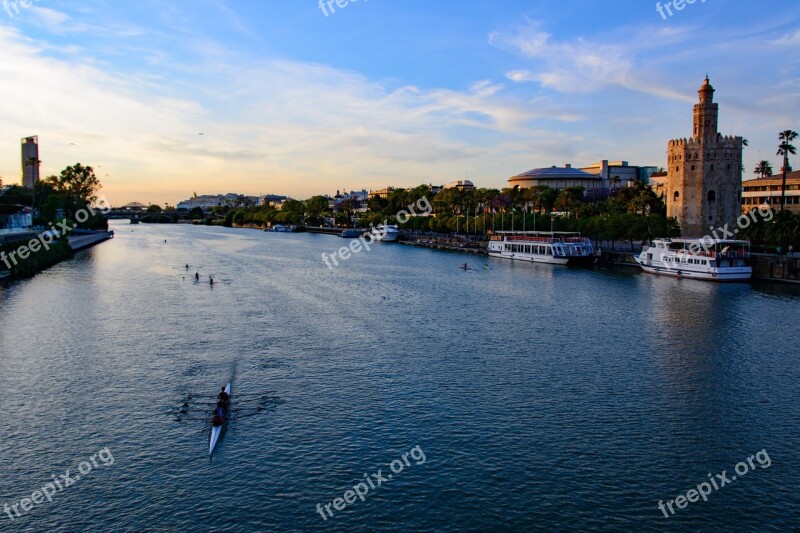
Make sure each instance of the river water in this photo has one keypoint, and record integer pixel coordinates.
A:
(523, 397)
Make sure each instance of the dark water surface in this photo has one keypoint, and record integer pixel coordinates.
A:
(540, 398)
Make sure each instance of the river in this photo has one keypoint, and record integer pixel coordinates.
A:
(512, 397)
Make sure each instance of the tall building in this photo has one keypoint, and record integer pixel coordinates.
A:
(30, 153)
(704, 172)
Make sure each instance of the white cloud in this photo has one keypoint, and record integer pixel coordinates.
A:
(790, 39)
(578, 66)
(50, 17)
(268, 125)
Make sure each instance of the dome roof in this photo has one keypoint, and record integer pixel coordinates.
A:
(557, 173)
(707, 87)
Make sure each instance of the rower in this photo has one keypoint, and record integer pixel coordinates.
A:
(210, 280)
(187, 266)
(223, 396)
(197, 276)
(218, 419)
(465, 267)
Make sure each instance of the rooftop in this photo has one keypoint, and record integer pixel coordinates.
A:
(777, 179)
(557, 173)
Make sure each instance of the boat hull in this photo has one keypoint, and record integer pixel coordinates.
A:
(216, 432)
(743, 274)
(530, 258)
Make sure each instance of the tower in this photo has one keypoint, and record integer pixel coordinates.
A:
(30, 153)
(704, 173)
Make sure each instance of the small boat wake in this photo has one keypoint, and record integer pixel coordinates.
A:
(195, 408)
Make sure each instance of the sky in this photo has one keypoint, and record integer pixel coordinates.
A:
(168, 98)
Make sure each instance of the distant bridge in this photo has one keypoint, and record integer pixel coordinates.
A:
(136, 216)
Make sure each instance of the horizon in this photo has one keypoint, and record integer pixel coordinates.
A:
(165, 99)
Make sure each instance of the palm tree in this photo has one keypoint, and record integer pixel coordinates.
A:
(763, 169)
(786, 148)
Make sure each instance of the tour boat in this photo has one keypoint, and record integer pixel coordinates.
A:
(706, 259)
(385, 233)
(556, 248)
(216, 431)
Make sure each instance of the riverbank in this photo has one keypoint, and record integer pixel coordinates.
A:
(39, 257)
(36, 260)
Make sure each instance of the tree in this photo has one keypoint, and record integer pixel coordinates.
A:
(763, 169)
(154, 209)
(79, 183)
(786, 148)
(315, 207)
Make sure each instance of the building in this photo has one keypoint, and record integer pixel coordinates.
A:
(617, 174)
(658, 182)
(767, 191)
(381, 193)
(704, 172)
(30, 154)
(15, 218)
(135, 206)
(556, 178)
(357, 200)
(270, 200)
(461, 185)
(209, 201)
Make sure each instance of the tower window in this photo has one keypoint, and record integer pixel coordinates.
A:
(712, 197)
(692, 167)
(676, 196)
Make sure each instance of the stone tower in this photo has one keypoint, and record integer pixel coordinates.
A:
(704, 173)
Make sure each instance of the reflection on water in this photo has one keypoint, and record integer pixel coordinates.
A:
(544, 397)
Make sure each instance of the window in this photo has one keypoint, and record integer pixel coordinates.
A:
(712, 196)
(676, 196)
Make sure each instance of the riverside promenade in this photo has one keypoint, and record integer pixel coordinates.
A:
(82, 239)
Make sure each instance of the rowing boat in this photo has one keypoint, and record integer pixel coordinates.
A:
(216, 431)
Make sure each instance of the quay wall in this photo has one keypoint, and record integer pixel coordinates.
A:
(83, 240)
(770, 267)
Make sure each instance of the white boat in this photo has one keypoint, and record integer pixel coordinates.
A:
(385, 233)
(555, 248)
(705, 259)
(216, 431)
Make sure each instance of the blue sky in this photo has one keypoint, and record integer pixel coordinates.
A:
(291, 101)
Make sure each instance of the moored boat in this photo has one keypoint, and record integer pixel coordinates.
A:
(705, 259)
(351, 233)
(216, 430)
(385, 233)
(556, 248)
(280, 228)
